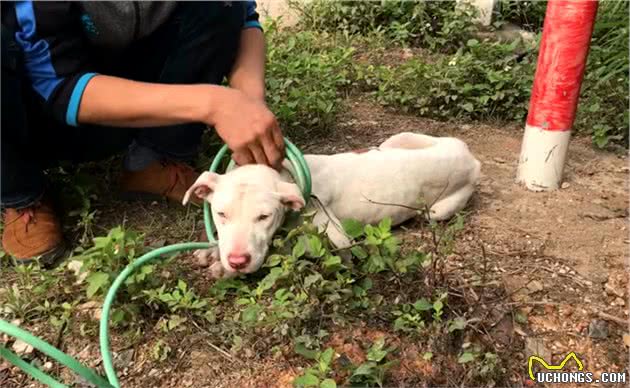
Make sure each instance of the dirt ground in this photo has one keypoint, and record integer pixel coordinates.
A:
(559, 257)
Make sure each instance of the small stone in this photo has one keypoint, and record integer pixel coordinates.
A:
(75, 266)
(565, 185)
(48, 365)
(535, 286)
(124, 359)
(153, 372)
(562, 271)
(626, 340)
(613, 287)
(598, 329)
(21, 348)
(619, 302)
(536, 347)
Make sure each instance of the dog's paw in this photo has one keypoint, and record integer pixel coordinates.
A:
(206, 257)
(216, 271)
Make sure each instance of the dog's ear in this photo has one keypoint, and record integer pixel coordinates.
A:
(291, 196)
(203, 187)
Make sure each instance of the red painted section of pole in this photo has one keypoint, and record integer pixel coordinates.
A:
(564, 47)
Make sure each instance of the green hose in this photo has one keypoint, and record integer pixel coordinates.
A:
(302, 176)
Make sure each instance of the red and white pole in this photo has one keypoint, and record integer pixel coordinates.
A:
(564, 47)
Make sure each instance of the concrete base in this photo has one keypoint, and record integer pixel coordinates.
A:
(484, 8)
(543, 154)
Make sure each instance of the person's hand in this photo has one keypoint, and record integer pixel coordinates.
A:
(248, 128)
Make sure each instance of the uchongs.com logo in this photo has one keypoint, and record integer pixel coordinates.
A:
(556, 374)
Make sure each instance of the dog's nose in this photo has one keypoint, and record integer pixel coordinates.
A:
(239, 261)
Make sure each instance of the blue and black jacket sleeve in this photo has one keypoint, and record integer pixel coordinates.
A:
(54, 54)
(251, 19)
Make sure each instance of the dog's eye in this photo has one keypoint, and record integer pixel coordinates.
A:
(262, 217)
(221, 214)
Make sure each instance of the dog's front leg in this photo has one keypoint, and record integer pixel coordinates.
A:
(210, 258)
(327, 221)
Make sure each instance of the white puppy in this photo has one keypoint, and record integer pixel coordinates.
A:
(249, 202)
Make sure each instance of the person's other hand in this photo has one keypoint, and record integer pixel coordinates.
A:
(248, 128)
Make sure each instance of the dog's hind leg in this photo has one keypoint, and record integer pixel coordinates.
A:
(446, 208)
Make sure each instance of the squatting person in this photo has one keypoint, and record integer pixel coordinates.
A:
(85, 80)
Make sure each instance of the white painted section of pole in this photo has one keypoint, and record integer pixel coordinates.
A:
(484, 9)
(543, 154)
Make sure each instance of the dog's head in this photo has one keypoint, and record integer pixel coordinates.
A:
(248, 206)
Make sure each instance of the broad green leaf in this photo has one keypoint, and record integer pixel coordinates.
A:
(299, 249)
(305, 352)
(359, 252)
(458, 323)
(466, 357)
(328, 383)
(422, 304)
(325, 359)
(307, 380)
(315, 247)
(250, 314)
(364, 369)
(268, 281)
(311, 279)
(376, 352)
(385, 225)
(96, 281)
(332, 261)
(353, 228)
(274, 260)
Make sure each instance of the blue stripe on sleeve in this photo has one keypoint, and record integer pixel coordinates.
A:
(36, 51)
(252, 24)
(75, 99)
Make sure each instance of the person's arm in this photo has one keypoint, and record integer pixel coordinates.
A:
(248, 76)
(119, 102)
(248, 73)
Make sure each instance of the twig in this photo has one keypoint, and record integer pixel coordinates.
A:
(223, 352)
(485, 268)
(608, 317)
(215, 347)
(393, 204)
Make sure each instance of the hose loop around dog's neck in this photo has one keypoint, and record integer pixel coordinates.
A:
(301, 174)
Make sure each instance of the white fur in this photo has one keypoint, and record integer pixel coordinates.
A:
(407, 171)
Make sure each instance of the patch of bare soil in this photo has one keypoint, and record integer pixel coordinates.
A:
(560, 255)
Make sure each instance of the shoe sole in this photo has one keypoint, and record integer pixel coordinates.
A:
(47, 260)
(133, 196)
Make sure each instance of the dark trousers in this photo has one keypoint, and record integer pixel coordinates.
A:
(198, 44)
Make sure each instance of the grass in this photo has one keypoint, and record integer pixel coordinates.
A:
(461, 78)
(305, 293)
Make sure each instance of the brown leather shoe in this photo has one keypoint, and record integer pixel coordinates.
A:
(161, 179)
(33, 233)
